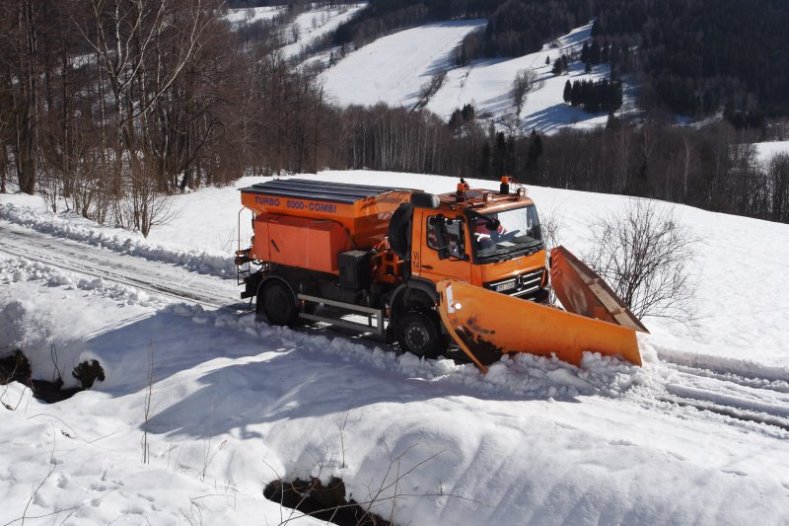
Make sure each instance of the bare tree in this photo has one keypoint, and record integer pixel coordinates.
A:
(643, 253)
(524, 82)
(142, 206)
(4, 130)
(429, 89)
(20, 33)
(142, 49)
(778, 172)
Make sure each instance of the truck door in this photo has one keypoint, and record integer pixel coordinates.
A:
(443, 248)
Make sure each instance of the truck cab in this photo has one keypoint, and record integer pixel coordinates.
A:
(490, 240)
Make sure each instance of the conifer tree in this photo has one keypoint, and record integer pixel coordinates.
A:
(557, 67)
(594, 53)
(585, 53)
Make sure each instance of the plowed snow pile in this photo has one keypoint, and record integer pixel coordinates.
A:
(233, 404)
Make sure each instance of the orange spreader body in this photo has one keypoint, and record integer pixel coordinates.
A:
(365, 219)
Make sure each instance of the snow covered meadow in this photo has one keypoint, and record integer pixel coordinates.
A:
(393, 69)
(234, 404)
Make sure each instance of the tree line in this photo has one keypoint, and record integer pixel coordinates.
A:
(701, 56)
(697, 57)
(594, 96)
(106, 106)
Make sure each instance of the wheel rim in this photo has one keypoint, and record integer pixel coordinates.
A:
(417, 337)
(277, 301)
(277, 304)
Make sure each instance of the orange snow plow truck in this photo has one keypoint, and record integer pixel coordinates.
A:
(467, 266)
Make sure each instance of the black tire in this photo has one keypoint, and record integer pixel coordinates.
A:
(277, 303)
(420, 333)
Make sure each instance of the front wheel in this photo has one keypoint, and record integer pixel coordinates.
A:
(420, 333)
(276, 301)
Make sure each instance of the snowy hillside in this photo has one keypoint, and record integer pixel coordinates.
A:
(394, 68)
(316, 23)
(253, 14)
(235, 403)
(305, 30)
(767, 150)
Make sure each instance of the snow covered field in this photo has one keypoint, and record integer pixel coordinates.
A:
(250, 15)
(236, 404)
(767, 150)
(316, 23)
(393, 69)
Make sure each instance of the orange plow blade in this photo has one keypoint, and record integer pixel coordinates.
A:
(487, 324)
(582, 291)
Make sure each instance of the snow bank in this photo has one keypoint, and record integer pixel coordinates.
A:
(53, 474)
(53, 337)
(72, 227)
(521, 374)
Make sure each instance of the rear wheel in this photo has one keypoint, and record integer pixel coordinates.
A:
(276, 301)
(420, 333)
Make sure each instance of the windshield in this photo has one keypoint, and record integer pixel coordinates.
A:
(504, 235)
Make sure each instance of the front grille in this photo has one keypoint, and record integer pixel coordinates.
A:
(523, 285)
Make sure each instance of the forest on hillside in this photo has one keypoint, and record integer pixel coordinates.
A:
(109, 106)
(697, 57)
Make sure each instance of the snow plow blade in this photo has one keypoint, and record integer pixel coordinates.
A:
(487, 324)
(582, 291)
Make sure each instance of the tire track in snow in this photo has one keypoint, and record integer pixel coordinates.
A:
(748, 398)
(737, 413)
(741, 378)
(156, 277)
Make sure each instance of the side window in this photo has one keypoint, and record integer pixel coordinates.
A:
(434, 227)
(457, 243)
(447, 236)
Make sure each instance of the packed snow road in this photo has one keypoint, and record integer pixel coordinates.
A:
(743, 399)
(152, 276)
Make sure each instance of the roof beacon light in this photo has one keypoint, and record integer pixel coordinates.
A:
(462, 187)
(504, 188)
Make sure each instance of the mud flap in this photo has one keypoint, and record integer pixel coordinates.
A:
(487, 324)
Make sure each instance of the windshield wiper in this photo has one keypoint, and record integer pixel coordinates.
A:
(527, 248)
(504, 253)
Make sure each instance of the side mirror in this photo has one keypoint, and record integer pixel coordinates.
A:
(440, 236)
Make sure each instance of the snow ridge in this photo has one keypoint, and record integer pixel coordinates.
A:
(16, 270)
(522, 375)
(200, 261)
